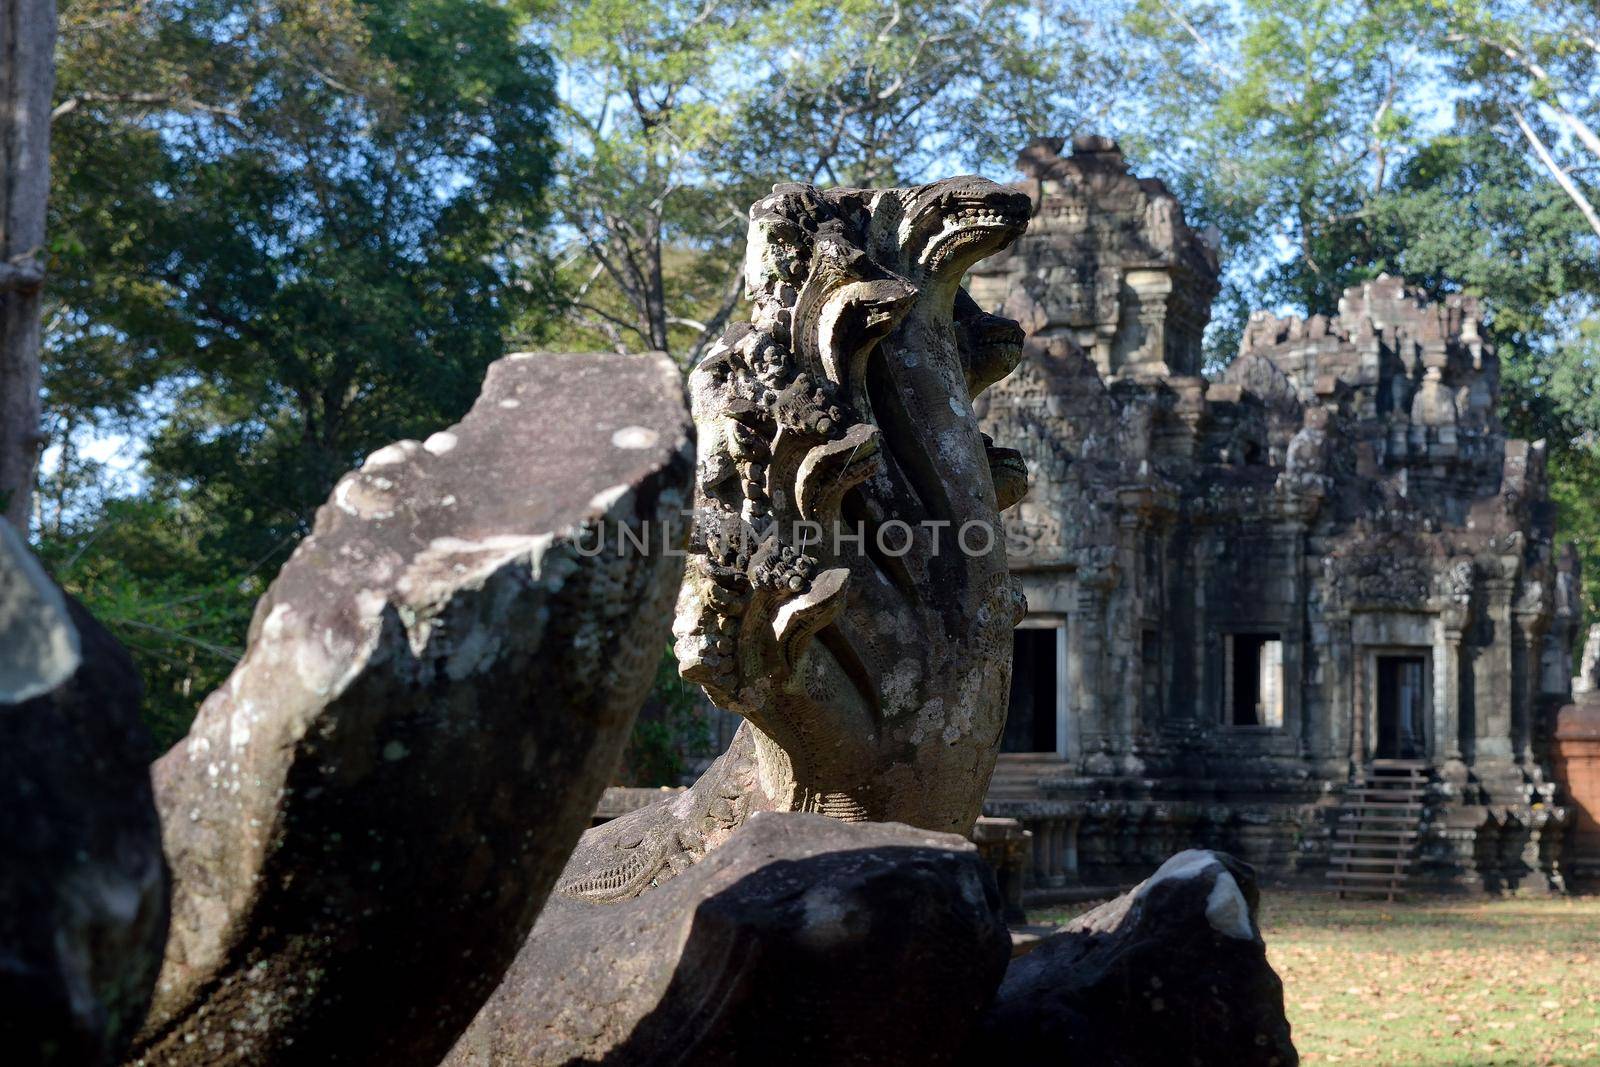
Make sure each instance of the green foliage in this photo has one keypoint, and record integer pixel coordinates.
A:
(671, 730)
(677, 115)
(136, 569)
(283, 234)
(321, 271)
(1281, 121)
(1335, 140)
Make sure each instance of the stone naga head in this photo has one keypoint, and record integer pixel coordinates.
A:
(847, 589)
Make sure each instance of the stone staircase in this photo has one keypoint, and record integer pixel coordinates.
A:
(1380, 823)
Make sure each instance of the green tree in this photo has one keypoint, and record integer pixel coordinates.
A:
(676, 115)
(1536, 65)
(1334, 140)
(671, 730)
(284, 234)
(1281, 124)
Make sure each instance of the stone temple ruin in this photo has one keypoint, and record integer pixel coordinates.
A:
(1259, 609)
(370, 847)
(1327, 562)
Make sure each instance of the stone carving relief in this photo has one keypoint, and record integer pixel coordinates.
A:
(847, 590)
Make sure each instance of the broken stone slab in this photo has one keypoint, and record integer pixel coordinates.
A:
(366, 818)
(801, 940)
(83, 887)
(1172, 972)
(39, 648)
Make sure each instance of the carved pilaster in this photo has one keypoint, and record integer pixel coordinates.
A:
(1528, 633)
(1094, 587)
(1447, 712)
(1493, 675)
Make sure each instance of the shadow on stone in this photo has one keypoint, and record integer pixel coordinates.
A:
(83, 887)
(802, 940)
(365, 820)
(1172, 972)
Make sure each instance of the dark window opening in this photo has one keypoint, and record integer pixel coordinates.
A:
(1400, 707)
(1253, 681)
(1031, 716)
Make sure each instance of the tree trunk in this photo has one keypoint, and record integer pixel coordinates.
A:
(27, 80)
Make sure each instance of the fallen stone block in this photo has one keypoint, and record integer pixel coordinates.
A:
(366, 818)
(83, 888)
(800, 940)
(1173, 972)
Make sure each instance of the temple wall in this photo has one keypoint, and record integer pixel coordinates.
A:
(1330, 553)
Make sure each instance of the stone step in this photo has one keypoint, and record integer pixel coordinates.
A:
(1348, 833)
(1392, 892)
(1382, 805)
(1341, 890)
(1399, 863)
(1364, 876)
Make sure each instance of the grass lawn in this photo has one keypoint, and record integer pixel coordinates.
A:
(1436, 981)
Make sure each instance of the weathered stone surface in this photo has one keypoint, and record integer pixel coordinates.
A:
(83, 889)
(802, 940)
(1344, 492)
(38, 643)
(1110, 264)
(1006, 847)
(364, 821)
(1172, 972)
(828, 599)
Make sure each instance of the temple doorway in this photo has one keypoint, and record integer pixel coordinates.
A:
(1402, 695)
(1037, 676)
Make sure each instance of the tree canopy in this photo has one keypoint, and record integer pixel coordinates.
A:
(675, 116)
(284, 232)
(283, 235)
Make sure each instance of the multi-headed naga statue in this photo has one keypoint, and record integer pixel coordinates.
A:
(847, 589)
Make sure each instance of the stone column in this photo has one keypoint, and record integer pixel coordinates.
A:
(1493, 676)
(1528, 633)
(1039, 875)
(1201, 709)
(1058, 856)
(1447, 714)
(1339, 697)
(1359, 711)
(1094, 585)
(1070, 858)
(1295, 720)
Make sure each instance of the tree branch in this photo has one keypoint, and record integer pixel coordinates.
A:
(1562, 178)
(73, 103)
(713, 327)
(1213, 60)
(620, 324)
